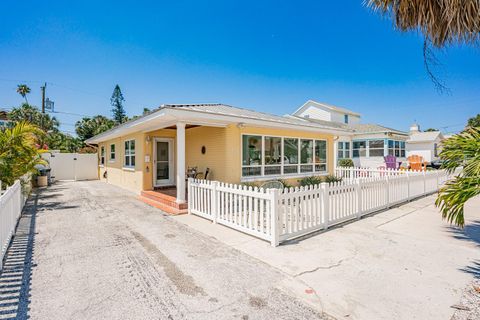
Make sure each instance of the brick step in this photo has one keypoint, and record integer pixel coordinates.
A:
(165, 208)
(164, 199)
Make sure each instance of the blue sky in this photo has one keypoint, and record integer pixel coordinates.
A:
(269, 56)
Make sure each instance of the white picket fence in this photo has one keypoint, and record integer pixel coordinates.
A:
(279, 215)
(12, 201)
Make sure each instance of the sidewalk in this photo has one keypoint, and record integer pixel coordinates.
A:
(404, 263)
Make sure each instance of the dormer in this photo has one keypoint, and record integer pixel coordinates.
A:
(326, 112)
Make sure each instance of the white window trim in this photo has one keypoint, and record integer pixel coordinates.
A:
(129, 167)
(283, 175)
(110, 153)
(102, 164)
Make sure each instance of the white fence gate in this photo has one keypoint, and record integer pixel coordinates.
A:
(12, 201)
(73, 166)
(279, 215)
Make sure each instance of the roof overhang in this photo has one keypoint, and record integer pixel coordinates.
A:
(169, 116)
(318, 104)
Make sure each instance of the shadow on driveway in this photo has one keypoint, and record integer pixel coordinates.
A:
(16, 274)
(471, 232)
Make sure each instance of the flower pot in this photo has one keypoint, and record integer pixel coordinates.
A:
(42, 181)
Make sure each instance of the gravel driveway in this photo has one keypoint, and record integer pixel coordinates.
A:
(98, 253)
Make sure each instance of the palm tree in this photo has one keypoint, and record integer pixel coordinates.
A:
(18, 151)
(460, 151)
(23, 90)
(442, 23)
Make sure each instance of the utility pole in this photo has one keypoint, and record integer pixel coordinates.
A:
(43, 96)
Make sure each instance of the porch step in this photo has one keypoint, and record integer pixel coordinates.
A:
(164, 207)
(164, 199)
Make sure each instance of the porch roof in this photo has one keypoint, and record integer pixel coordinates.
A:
(211, 114)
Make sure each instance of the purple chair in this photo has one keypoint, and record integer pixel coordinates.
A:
(391, 162)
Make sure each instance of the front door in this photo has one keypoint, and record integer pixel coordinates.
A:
(163, 153)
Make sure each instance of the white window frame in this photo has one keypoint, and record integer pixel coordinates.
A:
(344, 149)
(400, 149)
(114, 153)
(129, 154)
(102, 156)
(382, 148)
(283, 175)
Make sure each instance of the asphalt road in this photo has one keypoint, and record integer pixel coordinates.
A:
(89, 250)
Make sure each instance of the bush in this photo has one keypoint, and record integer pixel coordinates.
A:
(345, 163)
(308, 181)
(331, 179)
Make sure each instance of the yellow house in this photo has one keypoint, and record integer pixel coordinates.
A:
(237, 145)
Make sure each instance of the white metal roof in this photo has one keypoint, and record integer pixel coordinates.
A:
(429, 136)
(212, 114)
(325, 105)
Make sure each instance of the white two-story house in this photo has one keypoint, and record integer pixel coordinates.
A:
(366, 144)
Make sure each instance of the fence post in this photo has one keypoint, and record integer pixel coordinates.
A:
(215, 204)
(408, 186)
(387, 191)
(325, 204)
(274, 217)
(189, 195)
(358, 190)
(424, 175)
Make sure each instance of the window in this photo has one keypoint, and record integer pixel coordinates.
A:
(273, 155)
(320, 156)
(343, 151)
(102, 155)
(345, 118)
(252, 156)
(269, 156)
(435, 150)
(375, 148)
(290, 147)
(359, 148)
(112, 152)
(306, 155)
(130, 153)
(396, 148)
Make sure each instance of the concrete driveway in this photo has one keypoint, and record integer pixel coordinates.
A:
(89, 250)
(404, 263)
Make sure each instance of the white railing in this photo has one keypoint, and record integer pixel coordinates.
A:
(279, 215)
(12, 201)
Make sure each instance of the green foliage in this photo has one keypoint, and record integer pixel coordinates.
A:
(23, 90)
(331, 178)
(474, 121)
(89, 127)
(63, 142)
(249, 184)
(307, 181)
(285, 183)
(460, 151)
(431, 130)
(345, 163)
(119, 114)
(31, 114)
(18, 151)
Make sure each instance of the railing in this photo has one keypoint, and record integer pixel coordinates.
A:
(12, 201)
(279, 215)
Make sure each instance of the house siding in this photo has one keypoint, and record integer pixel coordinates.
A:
(222, 156)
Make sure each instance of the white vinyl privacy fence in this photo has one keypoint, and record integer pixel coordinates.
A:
(73, 166)
(12, 201)
(279, 215)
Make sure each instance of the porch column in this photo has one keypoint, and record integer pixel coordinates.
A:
(180, 162)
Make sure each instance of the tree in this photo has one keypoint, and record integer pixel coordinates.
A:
(119, 115)
(18, 151)
(431, 129)
(31, 114)
(460, 151)
(474, 121)
(63, 142)
(442, 23)
(23, 90)
(89, 127)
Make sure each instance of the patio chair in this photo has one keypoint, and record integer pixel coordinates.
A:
(391, 162)
(417, 163)
(273, 184)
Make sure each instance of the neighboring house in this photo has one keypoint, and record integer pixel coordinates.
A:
(425, 144)
(368, 144)
(237, 145)
(4, 122)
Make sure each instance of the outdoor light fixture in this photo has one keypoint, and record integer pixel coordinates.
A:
(147, 140)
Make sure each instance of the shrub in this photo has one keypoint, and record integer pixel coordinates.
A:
(308, 181)
(345, 163)
(331, 178)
